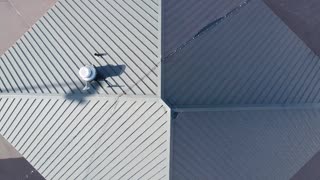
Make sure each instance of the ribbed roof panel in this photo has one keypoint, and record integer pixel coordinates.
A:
(47, 58)
(251, 57)
(184, 19)
(94, 138)
(248, 144)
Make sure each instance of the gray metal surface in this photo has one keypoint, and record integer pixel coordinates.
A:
(184, 19)
(251, 57)
(47, 58)
(106, 138)
(121, 129)
(244, 145)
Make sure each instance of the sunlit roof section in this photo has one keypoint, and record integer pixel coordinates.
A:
(48, 57)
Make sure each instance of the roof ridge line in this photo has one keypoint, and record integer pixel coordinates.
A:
(248, 107)
(79, 96)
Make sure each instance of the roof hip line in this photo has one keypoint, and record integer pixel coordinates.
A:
(248, 107)
(77, 96)
(205, 29)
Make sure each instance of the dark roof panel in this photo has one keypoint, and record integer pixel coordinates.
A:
(302, 17)
(248, 144)
(251, 57)
(184, 19)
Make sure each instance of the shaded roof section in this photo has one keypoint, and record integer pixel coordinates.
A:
(17, 16)
(47, 58)
(18, 168)
(251, 57)
(109, 138)
(244, 144)
(13, 165)
(302, 17)
(184, 19)
(309, 170)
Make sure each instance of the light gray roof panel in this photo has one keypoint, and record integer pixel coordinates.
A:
(47, 58)
(251, 57)
(95, 138)
(244, 144)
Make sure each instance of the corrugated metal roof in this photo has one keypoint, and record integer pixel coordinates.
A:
(47, 58)
(93, 138)
(184, 19)
(121, 129)
(251, 57)
(245, 144)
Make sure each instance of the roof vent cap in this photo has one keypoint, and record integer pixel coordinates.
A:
(88, 73)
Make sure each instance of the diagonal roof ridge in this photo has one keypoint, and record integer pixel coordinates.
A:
(203, 30)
